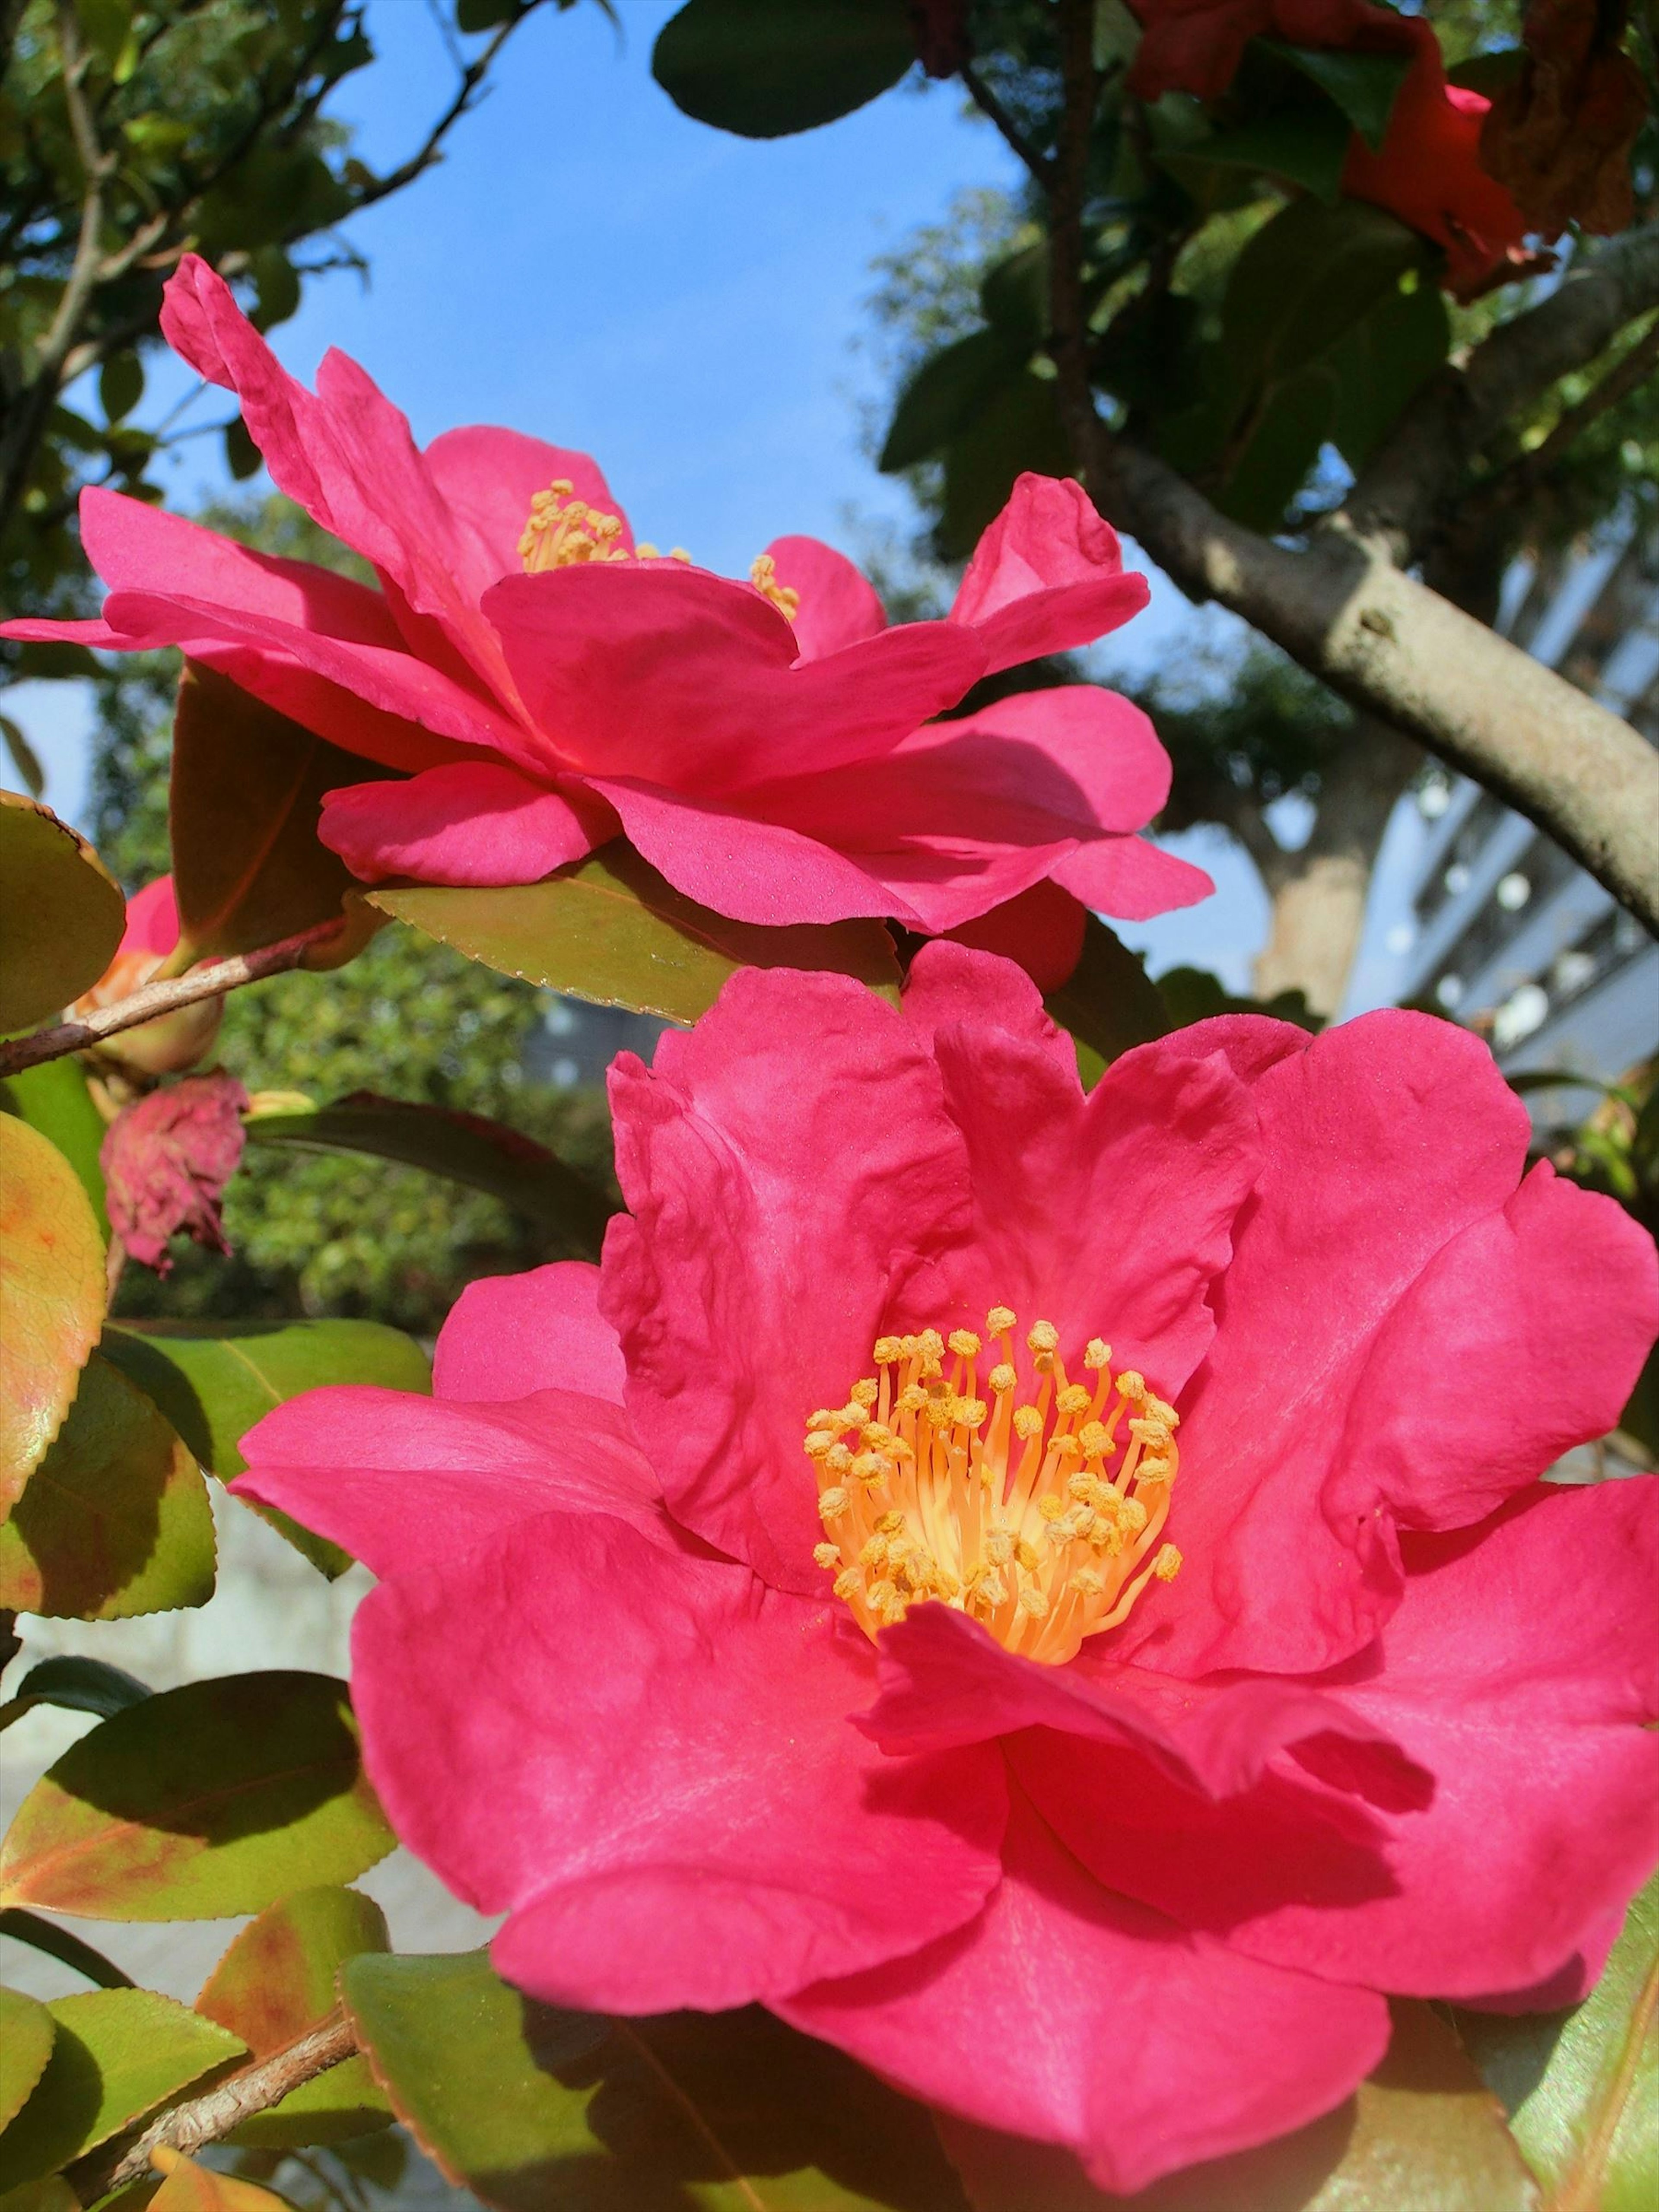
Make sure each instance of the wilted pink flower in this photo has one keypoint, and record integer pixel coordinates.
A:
(172, 1042)
(770, 744)
(1161, 1646)
(167, 1159)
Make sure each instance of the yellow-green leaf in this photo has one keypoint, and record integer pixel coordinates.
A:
(26, 2033)
(191, 2188)
(611, 930)
(52, 1298)
(61, 914)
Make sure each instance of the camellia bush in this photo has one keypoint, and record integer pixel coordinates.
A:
(998, 1624)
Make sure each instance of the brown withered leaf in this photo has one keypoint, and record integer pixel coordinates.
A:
(1559, 134)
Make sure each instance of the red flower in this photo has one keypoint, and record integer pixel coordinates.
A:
(1267, 1683)
(167, 1159)
(762, 743)
(1427, 171)
(172, 1042)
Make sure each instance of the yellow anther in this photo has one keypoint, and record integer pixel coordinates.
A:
(864, 1394)
(882, 1595)
(1050, 1507)
(1002, 1379)
(971, 1413)
(1160, 1411)
(764, 576)
(824, 1418)
(1106, 1537)
(1027, 1554)
(1132, 1514)
(999, 1321)
(1028, 1422)
(1065, 1447)
(827, 1555)
(1043, 1337)
(1098, 1353)
(1082, 1486)
(931, 1344)
(1151, 1433)
(1032, 1601)
(678, 553)
(562, 531)
(1096, 1439)
(1154, 1470)
(837, 1459)
(832, 1504)
(1087, 1583)
(878, 1435)
(912, 1398)
(942, 1412)
(869, 1466)
(645, 550)
(999, 1546)
(963, 1343)
(886, 1351)
(1167, 1566)
(889, 1524)
(873, 1552)
(1074, 1399)
(1131, 1385)
(994, 1591)
(819, 1443)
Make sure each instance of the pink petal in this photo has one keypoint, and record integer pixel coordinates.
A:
(403, 1481)
(1046, 576)
(1131, 878)
(944, 1680)
(793, 1177)
(1529, 1710)
(329, 710)
(166, 1158)
(487, 478)
(838, 603)
(508, 1336)
(1071, 2015)
(752, 871)
(1041, 929)
(1385, 1138)
(648, 1759)
(473, 821)
(152, 923)
(667, 675)
(950, 985)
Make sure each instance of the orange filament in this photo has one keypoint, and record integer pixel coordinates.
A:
(1015, 1514)
(563, 531)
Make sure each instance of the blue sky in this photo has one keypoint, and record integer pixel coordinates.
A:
(589, 265)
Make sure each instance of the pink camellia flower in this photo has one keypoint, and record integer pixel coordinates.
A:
(167, 1159)
(172, 1042)
(1049, 1593)
(770, 745)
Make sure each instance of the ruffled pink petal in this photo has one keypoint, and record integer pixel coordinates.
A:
(666, 674)
(1519, 1672)
(1071, 2015)
(945, 1680)
(1131, 878)
(1041, 929)
(950, 984)
(1046, 576)
(508, 1336)
(752, 871)
(486, 477)
(792, 1178)
(473, 821)
(1111, 1215)
(647, 1759)
(152, 922)
(1385, 1138)
(839, 604)
(401, 1482)
(329, 710)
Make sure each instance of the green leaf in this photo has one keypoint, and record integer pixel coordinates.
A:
(214, 1380)
(1109, 1003)
(55, 1942)
(1383, 362)
(54, 1099)
(1014, 294)
(105, 24)
(61, 914)
(948, 393)
(612, 931)
(277, 1980)
(1422, 2135)
(52, 1292)
(26, 2033)
(242, 457)
(1363, 86)
(1304, 281)
(468, 1148)
(214, 1798)
(82, 1685)
(1269, 466)
(1581, 2087)
(24, 758)
(115, 1521)
(120, 386)
(764, 71)
(530, 2107)
(1019, 429)
(247, 795)
(193, 2188)
(276, 283)
(117, 2054)
(472, 16)
(1305, 146)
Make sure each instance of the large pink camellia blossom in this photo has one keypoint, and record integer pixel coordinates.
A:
(1051, 1593)
(770, 745)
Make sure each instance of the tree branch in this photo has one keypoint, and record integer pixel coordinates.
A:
(990, 106)
(212, 2116)
(163, 997)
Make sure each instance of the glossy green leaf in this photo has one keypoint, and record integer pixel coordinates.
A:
(26, 2029)
(530, 2107)
(81, 1686)
(1422, 2135)
(54, 1099)
(115, 1520)
(763, 70)
(246, 798)
(1109, 1003)
(1363, 86)
(23, 757)
(1383, 362)
(1581, 2087)
(117, 2054)
(215, 1380)
(51, 1293)
(468, 1148)
(1018, 428)
(1305, 146)
(277, 1980)
(120, 385)
(947, 394)
(1304, 281)
(217, 1797)
(61, 914)
(611, 930)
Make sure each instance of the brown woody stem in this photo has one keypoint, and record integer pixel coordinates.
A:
(163, 997)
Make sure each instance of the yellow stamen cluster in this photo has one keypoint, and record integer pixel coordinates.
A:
(1041, 1519)
(764, 576)
(564, 532)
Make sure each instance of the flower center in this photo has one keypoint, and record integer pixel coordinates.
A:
(1042, 1519)
(563, 531)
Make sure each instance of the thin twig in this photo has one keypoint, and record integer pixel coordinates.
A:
(211, 2116)
(163, 997)
(1039, 163)
(1067, 309)
(1527, 473)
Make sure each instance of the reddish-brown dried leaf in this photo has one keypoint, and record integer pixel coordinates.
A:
(166, 1160)
(1559, 134)
(51, 1297)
